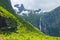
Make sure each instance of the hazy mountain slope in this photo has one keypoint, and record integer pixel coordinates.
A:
(33, 18)
(51, 22)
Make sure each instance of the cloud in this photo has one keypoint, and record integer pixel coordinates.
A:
(36, 4)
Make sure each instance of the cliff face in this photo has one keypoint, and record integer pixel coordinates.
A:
(7, 5)
(51, 22)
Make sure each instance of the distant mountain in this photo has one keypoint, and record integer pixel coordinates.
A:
(33, 18)
(51, 22)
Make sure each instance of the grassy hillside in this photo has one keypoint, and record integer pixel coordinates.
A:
(24, 30)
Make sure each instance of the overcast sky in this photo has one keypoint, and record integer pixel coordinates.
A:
(45, 5)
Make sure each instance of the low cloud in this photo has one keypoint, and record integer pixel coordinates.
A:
(45, 5)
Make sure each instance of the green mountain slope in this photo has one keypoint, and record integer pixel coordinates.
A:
(24, 30)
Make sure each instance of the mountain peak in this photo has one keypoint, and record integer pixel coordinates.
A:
(57, 9)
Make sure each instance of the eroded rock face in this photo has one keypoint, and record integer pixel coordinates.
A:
(7, 24)
(3, 21)
(51, 22)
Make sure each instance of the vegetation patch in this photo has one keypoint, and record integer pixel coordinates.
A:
(7, 24)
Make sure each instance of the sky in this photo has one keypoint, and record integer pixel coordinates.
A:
(45, 5)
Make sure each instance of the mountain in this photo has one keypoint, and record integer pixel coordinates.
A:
(51, 22)
(16, 28)
(33, 18)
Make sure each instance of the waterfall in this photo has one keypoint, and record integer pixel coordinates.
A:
(40, 24)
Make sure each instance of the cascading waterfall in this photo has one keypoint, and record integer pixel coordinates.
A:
(40, 24)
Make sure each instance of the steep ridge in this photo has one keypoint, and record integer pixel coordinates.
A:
(51, 22)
